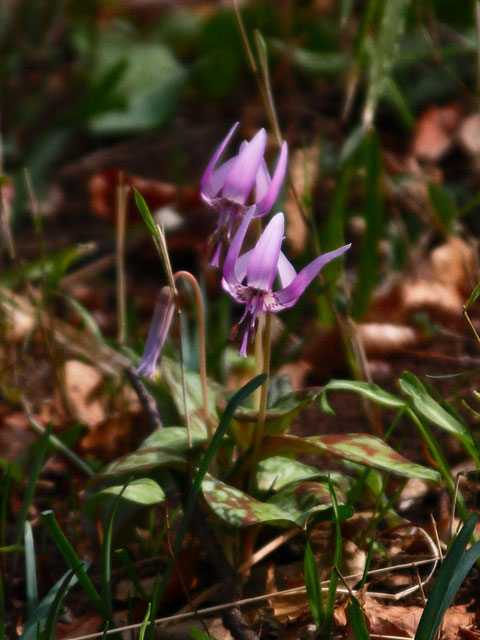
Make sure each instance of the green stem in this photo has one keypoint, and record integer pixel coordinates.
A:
(259, 431)
(201, 344)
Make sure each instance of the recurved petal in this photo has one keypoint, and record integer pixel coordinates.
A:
(286, 271)
(289, 295)
(267, 202)
(241, 177)
(217, 179)
(262, 181)
(263, 263)
(206, 178)
(231, 259)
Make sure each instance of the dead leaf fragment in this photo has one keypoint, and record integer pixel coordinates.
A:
(81, 382)
(435, 131)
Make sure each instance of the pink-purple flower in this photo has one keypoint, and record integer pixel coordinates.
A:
(229, 187)
(162, 319)
(249, 278)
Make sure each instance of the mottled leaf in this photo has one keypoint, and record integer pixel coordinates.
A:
(173, 438)
(143, 491)
(239, 509)
(279, 416)
(357, 447)
(367, 389)
(303, 501)
(279, 471)
(144, 460)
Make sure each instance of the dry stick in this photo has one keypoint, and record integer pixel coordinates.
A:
(420, 585)
(454, 502)
(121, 196)
(268, 596)
(201, 343)
(437, 538)
(146, 400)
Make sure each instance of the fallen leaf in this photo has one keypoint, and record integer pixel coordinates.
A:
(435, 131)
(469, 134)
(85, 625)
(82, 382)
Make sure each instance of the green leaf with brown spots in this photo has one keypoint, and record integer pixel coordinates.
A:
(310, 501)
(280, 414)
(239, 509)
(356, 447)
(144, 460)
(173, 438)
(279, 471)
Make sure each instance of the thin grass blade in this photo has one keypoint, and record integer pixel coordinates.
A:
(30, 570)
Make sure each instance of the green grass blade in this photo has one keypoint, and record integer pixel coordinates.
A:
(41, 449)
(30, 570)
(73, 561)
(106, 554)
(49, 631)
(473, 296)
(40, 614)
(142, 206)
(233, 403)
(337, 561)
(357, 619)
(143, 628)
(314, 588)
(455, 567)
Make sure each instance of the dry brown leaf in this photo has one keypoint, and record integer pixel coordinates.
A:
(413, 492)
(469, 134)
(82, 381)
(384, 338)
(85, 625)
(455, 264)
(395, 620)
(435, 131)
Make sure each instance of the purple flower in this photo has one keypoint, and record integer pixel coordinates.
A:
(259, 267)
(162, 318)
(228, 187)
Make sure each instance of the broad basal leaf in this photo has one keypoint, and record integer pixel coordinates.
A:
(145, 460)
(357, 447)
(304, 501)
(279, 471)
(173, 438)
(279, 416)
(239, 509)
(143, 491)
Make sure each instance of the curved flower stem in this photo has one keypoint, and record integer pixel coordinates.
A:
(201, 342)
(259, 431)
